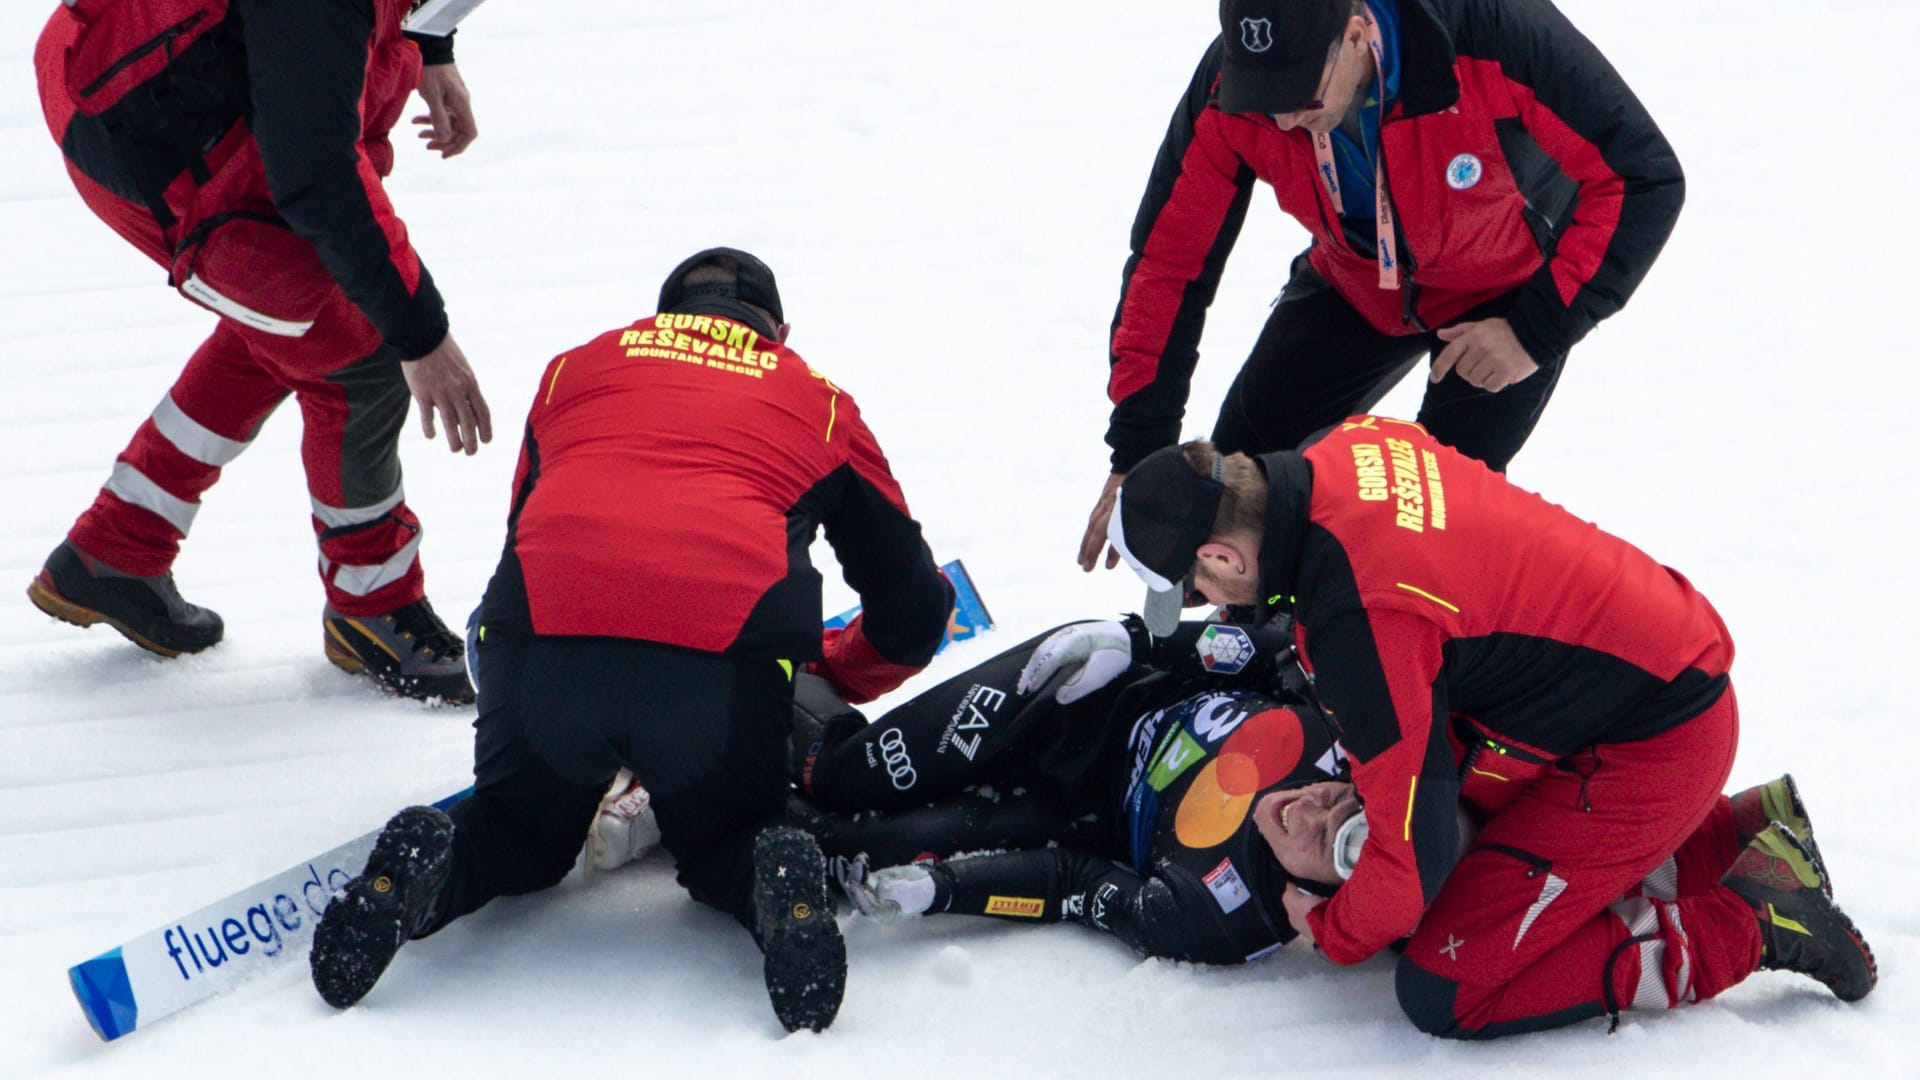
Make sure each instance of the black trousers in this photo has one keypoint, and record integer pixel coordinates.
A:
(706, 734)
(1318, 362)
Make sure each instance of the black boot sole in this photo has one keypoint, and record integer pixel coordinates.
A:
(806, 959)
(364, 927)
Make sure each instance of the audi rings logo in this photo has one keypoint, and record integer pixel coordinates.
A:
(893, 751)
(1256, 35)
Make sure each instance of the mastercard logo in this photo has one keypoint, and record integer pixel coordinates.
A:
(1261, 752)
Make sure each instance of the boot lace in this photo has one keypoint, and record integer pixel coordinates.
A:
(419, 622)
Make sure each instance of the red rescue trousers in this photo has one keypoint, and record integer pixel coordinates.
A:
(1596, 890)
(353, 403)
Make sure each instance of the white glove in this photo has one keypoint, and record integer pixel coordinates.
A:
(851, 875)
(625, 827)
(1099, 652)
(887, 895)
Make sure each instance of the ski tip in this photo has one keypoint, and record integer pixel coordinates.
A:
(105, 994)
(970, 615)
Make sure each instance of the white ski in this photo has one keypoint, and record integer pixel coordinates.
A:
(197, 956)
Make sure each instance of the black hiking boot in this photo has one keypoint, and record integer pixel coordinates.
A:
(390, 902)
(77, 588)
(806, 960)
(409, 652)
(1800, 928)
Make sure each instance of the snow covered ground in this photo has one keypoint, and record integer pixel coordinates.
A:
(945, 191)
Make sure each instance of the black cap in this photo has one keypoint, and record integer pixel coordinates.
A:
(753, 283)
(1162, 514)
(1276, 51)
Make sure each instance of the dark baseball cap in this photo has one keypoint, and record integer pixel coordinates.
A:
(753, 282)
(1162, 513)
(1276, 51)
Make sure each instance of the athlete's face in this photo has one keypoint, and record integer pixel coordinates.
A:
(1299, 824)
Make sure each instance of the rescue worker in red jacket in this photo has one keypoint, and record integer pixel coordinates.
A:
(241, 145)
(650, 611)
(1478, 646)
(1479, 184)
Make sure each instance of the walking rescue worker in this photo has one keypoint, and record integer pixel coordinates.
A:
(1477, 644)
(241, 145)
(1479, 185)
(651, 608)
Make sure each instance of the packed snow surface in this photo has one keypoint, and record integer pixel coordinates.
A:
(945, 191)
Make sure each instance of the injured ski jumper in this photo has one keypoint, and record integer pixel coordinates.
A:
(1125, 807)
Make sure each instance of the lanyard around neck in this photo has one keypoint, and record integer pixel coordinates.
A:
(1330, 175)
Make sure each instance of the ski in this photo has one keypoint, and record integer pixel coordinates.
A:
(205, 953)
(202, 954)
(968, 618)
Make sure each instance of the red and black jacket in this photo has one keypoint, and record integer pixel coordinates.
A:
(177, 116)
(674, 474)
(1576, 194)
(1439, 607)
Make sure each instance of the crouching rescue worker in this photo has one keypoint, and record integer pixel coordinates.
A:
(650, 610)
(1477, 644)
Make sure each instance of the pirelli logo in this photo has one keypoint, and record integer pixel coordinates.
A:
(1025, 907)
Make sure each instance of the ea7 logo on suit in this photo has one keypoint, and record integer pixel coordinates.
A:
(1256, 35)
(971, 721)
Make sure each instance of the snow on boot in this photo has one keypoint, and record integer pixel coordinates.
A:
(390, 902)
(77, 588)
(409, 652)
(1800, 928)
(806, 960)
